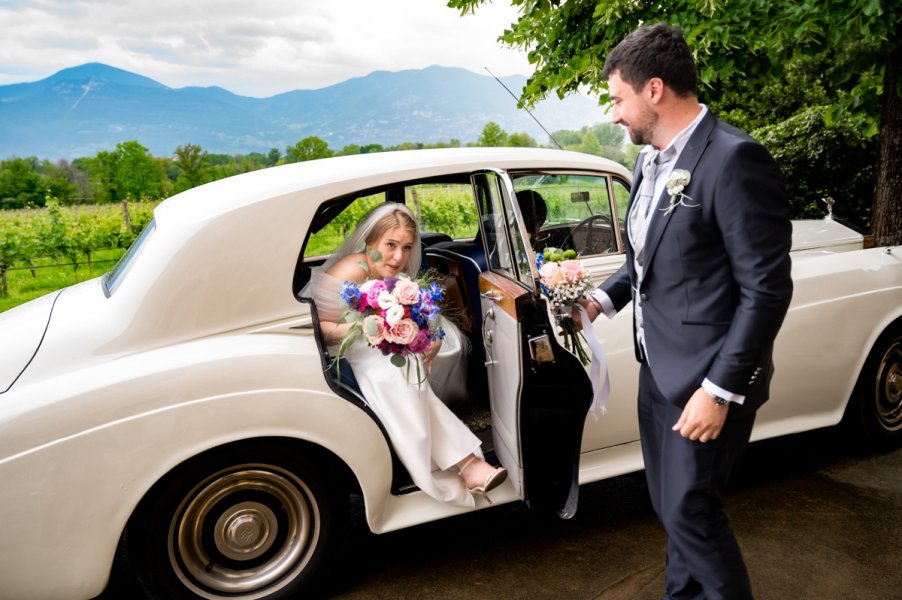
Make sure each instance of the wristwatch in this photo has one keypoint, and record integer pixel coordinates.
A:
(718, 400)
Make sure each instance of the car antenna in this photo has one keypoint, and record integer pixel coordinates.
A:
(551, 137)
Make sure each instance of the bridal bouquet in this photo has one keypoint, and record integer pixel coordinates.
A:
(396, 315)
(563, 281)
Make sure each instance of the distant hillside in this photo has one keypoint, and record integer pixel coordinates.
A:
(82, 110)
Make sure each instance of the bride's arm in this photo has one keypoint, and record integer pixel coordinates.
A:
(334, 332)
(347, 269)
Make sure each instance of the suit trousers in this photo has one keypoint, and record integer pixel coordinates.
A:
(686, 481)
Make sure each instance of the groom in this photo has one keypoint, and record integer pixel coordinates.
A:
(707, 272)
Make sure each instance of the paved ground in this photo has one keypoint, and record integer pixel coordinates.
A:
(816, 519)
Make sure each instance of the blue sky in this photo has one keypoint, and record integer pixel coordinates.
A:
(252, 48)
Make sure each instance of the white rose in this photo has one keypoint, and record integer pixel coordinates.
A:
(386, 300)
(394, 314)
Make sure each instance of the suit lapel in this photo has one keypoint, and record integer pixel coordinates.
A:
(687, 160)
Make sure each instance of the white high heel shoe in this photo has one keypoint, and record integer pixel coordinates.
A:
(492, 480)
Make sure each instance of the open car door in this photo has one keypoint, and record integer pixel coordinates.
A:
(540, 393)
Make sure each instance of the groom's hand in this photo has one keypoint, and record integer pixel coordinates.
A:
(702, 419)
(592, 309)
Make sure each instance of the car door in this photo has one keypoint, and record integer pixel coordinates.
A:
(540, 393)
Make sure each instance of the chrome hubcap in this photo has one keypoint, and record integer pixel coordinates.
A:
(244, 532)
(888, 390)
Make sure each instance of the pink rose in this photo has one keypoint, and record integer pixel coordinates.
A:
(374, 329)
(407, 292)
(403, 333)
(421, 341)
(572, 270)
(551, 274)
(373, 291)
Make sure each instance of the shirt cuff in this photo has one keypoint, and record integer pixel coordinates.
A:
(604, 302)
(718, 391)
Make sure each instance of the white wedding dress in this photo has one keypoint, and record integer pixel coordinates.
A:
(427, 437)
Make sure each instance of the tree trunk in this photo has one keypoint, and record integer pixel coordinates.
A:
(887, 216)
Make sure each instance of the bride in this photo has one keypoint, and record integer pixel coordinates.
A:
(439, 451)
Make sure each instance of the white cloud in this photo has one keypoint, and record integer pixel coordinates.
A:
(255, 49)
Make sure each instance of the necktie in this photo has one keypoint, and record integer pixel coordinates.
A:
(639, 218)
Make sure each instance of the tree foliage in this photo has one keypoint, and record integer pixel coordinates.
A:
(741, 47)
(492, 135)
(309, 148)
(192, 165)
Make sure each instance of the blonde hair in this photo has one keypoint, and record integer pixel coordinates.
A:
(399, 216)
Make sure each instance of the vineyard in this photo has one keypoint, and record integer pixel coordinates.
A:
(42, 249)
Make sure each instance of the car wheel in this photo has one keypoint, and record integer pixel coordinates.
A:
(880, 390)
(245, 522)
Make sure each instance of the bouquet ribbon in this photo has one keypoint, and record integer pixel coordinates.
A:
(601, 390)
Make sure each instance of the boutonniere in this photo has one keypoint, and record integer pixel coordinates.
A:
(676, 183)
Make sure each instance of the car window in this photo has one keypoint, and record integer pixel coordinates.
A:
(579, 215)
(329, 238)
(439, 207)
(494, 223)
(114, 278)
(621, 201)
(444, 208)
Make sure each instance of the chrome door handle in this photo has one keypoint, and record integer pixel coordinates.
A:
(490, 295)
(487, 335)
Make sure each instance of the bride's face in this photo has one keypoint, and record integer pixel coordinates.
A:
(395, 247)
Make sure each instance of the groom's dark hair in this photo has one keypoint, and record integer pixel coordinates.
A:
(654, 51)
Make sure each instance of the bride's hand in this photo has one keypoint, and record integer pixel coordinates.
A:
(430, 353)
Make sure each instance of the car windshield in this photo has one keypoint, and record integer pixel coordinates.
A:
(114, 278)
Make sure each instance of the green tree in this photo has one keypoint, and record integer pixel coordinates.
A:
(492, 135)
(309, 148)
(741, 46)
(20, 184)
(193, 169)
(102, 173)
(137, 174)
(522, 140)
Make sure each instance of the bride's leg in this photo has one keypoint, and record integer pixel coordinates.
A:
(451, 441)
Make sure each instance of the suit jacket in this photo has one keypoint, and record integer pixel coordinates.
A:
(717, 280)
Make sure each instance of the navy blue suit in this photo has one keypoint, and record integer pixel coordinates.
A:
(715, 290)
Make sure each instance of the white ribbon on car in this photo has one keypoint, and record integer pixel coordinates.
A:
(600, 390)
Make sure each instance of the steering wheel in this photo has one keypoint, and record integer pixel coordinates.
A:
(593, 235)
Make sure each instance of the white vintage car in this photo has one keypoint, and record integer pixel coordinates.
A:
(183, 404)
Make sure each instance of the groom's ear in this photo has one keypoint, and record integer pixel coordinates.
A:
(654, 89)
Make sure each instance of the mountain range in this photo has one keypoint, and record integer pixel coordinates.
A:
(82, 110)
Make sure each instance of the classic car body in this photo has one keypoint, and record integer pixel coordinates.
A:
(187, 399)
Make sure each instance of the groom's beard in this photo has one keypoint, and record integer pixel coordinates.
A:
(643, 127)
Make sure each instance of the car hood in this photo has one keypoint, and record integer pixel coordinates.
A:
(21, 332)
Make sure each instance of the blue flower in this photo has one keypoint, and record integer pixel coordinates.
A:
(436, 292)
(349, 294)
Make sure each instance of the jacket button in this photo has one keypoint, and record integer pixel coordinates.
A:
(643, 297)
